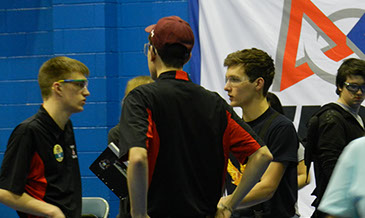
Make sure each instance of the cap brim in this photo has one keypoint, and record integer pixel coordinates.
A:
(150, 28)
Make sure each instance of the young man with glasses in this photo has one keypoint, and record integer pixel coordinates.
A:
(40, 174)
(178, 135)
(249, 75)
(338, 124)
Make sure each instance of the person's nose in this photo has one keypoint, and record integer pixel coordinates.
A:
(85, 91)
(227, 87)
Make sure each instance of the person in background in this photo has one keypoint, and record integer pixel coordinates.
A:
(345, 193)
(249, 75)
(177, 136)
(113, 136)
(40, 175)
(338, 124)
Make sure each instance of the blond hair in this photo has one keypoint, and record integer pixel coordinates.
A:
(137, 81)
(58, 68)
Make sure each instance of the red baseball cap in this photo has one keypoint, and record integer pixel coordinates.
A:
(171, 30)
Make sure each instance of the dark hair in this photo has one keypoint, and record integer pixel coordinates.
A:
(274, 102)
(256, 63)
(173, 55)
(350, 67)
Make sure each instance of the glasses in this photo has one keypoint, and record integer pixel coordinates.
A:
(81, 83)
(146, 48)
(354, 88)
(233, 80)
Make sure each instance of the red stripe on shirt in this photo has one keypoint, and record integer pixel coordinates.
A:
(152, 145)
(182, 75)
(36, 180)
(237, 140)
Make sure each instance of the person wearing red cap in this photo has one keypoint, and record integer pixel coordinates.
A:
(177, 136)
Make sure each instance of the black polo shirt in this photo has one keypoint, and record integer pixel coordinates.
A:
(41, 160)
(188, 132)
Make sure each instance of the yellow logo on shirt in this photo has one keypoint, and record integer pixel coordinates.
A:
(236, 174)
(58, 152)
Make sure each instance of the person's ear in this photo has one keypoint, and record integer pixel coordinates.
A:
(153, 54)
(259, 83)
(339, 89)
(57, 88)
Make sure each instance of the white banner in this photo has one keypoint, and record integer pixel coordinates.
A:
(307, 39)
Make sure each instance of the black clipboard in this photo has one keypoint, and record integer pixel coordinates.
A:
(113, 173)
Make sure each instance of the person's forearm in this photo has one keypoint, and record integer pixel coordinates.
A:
(256, 166)
(258, 194)
(137, 184)
(303, 177)
(27, 204)
(303, 181)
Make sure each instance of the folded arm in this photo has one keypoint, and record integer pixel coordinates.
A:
(256, 166)
(27, 204)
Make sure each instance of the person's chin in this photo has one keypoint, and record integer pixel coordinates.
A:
(233, 104)
(79, 109)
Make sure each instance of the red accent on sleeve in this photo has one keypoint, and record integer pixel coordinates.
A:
(36, 180)
(182, 75)
(237, 140)
(152, 145)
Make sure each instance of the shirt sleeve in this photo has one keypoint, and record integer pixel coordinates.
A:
(134, 123)
(17, 158)
(345, 195)
(331, 140)
(239, 138)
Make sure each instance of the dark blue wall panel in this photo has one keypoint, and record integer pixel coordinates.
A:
(10, 89)
(24, 4)
(107, 35)
(79, 41)
(79, 16)
(34, 20)
(21, 68)
(12, 115)
(56, 2)
(4, 136)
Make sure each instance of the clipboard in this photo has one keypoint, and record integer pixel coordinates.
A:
(113, 173)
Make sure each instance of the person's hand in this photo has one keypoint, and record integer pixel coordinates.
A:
(223, 212)
(224, 200)
(56, 213)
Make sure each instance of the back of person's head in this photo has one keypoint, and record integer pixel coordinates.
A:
(274, 102)
(350, 67)
(256, 63)
(137, 81)
(58, 68)
(173, 39)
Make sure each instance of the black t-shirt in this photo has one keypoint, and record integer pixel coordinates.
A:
(281, 138)
(188, 133)
(41, 160)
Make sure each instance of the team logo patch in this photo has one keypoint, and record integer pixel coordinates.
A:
(58, 152)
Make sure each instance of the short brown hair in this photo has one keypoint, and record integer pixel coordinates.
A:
(58, 68)
(256, 63)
